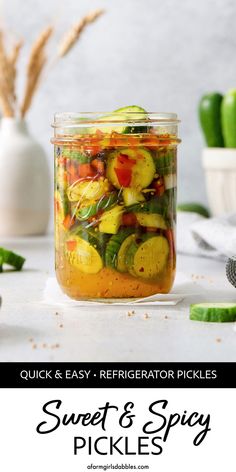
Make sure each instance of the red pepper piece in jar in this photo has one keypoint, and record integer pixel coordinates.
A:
(86, 170)
(56, 205)
(73, 171)
(68, 222)
(71, 245)
(159, 186)
(99, 166)
(124, 176)
(62, 161)
(129, 219)
(125, 161)
(124, 169)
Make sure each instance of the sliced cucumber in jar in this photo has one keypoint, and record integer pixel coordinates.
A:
(89, 189)
(114, 246)
(148, 258)
(165, 161)
(137, 114)
(121, 258)
(157, 205)
(153, 220)
(92, 236)
(110, 221)
(131, 168)
(132, 196)
(163, 205)
(117, 118)
(87, 210)
(83, 255)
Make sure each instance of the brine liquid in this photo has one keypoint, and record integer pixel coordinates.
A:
(108, 283)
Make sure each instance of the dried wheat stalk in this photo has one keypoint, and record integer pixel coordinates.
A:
(35, 67)
(12, 60)
(32, 84)
(36, 64)
(5, 87)
(74, 33)
(15, 53)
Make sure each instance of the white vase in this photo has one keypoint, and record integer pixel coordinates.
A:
(220, 175)
(24, 181)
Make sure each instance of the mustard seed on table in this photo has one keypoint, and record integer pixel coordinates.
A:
(131, 313)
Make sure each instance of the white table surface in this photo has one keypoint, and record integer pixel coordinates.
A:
(31, 330)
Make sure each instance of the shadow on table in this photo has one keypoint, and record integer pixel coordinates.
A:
(12, 334)
(9, 271)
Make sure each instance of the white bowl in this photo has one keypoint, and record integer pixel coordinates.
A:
(220, 175)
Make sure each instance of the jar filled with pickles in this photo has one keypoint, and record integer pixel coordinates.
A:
(115, 202)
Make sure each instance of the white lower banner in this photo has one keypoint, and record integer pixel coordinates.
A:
(80, 430)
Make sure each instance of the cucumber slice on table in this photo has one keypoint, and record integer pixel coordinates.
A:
(126, 114)
(148, 258)
(142, 170)
(10, 258)
(114, 246)
(213, 312)
(83, 255)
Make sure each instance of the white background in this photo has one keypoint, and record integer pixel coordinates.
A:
(25, 450)
(160, 54)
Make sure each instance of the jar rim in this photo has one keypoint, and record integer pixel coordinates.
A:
(85, 118)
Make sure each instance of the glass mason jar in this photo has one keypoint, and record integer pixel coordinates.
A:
(115, 203)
